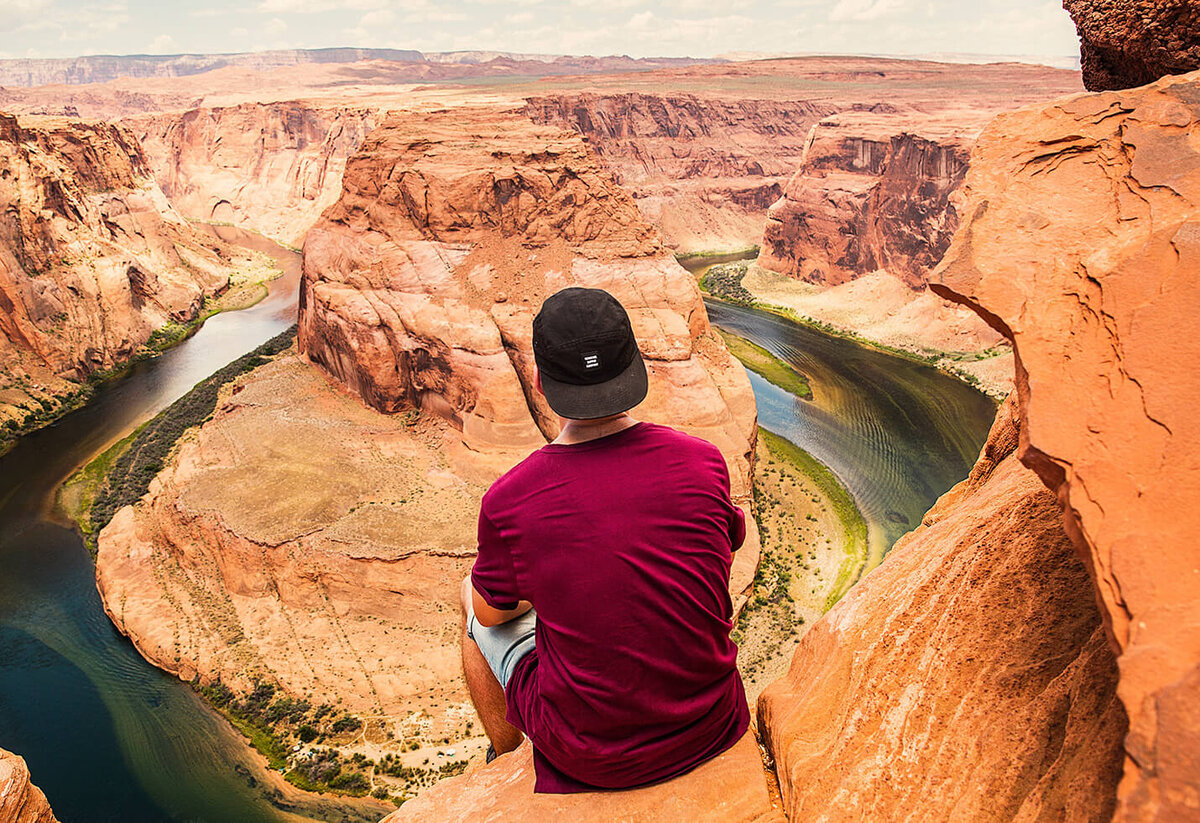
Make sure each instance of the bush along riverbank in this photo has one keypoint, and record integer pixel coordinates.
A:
(122, 473)
(723, 281)
(246, 288)
(767, 366)
(814, 547)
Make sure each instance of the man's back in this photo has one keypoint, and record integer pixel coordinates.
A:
(623, 544)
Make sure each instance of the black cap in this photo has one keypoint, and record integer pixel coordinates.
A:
(587, 355)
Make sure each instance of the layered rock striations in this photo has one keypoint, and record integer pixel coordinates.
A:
(968, 676)
(873, 191)
(1127, 43)
(702, 169)
(93, 259)
(1081, 244)
(304, 538)
(272, 167)
(20, 800)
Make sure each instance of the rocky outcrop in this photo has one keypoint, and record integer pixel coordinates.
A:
(730, 788)
(272, 167)
(20, 800)
(303, 538)
(967, 677)
(1127, 43)
(421, 283)
(873, 191)
(1081, 245)
(92, 259)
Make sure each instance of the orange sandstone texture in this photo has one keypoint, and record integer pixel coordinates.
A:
(1126, 43)
(730, 788)
(967, 677)
(273, 167)
(20, 800)
(93, 258)
(1082, 246)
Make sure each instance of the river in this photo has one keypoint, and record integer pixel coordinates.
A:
(110, 738)
(107, 736)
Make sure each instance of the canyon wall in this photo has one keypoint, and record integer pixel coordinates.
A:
(303, 538)
(271, 167)
(701, 169)
(1127, 43)
(1099, 197)
(20, 800)
(93, 259)
(873, 191)
(968, 676)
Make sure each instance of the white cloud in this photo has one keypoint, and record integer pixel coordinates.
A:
(163, 44)
(316, 6)
(239, 31)
(863, 10)
(276, 27)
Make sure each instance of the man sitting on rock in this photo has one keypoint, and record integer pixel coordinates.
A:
(597, 614)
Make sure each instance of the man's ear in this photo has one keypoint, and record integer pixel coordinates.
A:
(537, 381)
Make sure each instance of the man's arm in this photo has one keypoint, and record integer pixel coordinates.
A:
(491, 616)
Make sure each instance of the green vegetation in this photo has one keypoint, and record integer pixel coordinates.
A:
(766, 365)
(724, 280)
(853, 523)
(122, 474)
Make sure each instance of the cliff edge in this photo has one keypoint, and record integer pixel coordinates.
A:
(20, 800)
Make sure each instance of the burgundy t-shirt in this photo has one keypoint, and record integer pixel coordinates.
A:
(623, 544)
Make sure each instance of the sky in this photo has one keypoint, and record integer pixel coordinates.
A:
(639, 28)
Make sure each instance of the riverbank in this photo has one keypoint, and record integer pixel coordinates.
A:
(814, 547)
(875, 311)
(246, 288)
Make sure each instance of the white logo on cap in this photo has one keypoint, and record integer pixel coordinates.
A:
(591, 360)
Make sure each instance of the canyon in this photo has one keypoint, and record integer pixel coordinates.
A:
(331, 570)
(93, 262)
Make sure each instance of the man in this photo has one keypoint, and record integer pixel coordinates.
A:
(620, 534)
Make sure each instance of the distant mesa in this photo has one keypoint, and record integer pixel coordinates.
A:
(103, 68)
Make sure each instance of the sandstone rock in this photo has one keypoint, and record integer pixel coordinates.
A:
(967, 677)
(272, 167)
(873, 191)
(440, 215)
(1081, 246)
(20, 800)
(1126, 43)
(730, 788)
(92, 258)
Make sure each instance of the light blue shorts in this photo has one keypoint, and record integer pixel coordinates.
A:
(503, 646)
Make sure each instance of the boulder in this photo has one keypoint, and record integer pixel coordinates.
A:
(20, 800)
(1127, 43)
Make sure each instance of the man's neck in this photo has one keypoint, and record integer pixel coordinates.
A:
(581, 431)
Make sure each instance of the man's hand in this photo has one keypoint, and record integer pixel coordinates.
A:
(490, 616)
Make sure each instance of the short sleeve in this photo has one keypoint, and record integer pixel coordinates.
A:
(492, 575)
(737, 526)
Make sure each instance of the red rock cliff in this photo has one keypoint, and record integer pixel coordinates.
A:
(1126, 43)
(967, 677)
(873, 191)
(272, 167)
(1081, 245)
(92, 258)
(20, 800)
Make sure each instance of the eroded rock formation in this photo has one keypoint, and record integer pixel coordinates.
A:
(967, 676)
(272, 167)
(92, 258)
(1127, 43)
(1081, 245)
(20, 800)
(873, 191)
(303, 537)
(703, 170)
